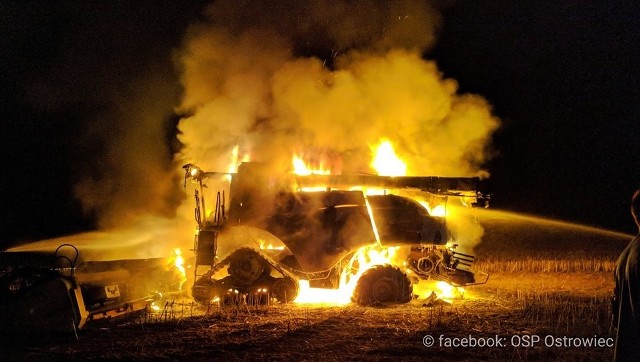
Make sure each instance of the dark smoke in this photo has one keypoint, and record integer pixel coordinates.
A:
(94, 89)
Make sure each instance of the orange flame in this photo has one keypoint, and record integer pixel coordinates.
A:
(386, 162)
(364, 259)
(301, 168)
(437, 210)
(447, 291)
(270, 246)
(178, 264)
(442, 289)
(236, 161)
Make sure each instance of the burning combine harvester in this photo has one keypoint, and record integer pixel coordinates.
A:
(368, 237)
(289, 237)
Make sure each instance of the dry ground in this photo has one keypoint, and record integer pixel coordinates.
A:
(546, 280)
(292, 332)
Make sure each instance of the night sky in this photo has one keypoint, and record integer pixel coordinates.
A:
(562, 78)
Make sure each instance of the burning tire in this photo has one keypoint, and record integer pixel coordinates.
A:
(385, 284)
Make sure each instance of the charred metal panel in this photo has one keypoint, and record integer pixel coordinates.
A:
(320, 228)
(401, 220)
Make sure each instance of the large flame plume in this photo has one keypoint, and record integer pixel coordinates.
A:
(273, 79)
(385, 160)
(179, 265)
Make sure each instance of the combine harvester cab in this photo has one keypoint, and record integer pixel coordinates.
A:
(281, 229)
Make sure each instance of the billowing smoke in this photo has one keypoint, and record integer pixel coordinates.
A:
(274, 77)
(101, 75)
(303, 77)
(328, 80)
(465, 228)
(134, 175)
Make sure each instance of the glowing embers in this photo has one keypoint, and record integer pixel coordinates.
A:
(364, 259)
(255, 297)
(155, 307)
(385, 161)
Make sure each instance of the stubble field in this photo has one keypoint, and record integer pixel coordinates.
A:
(547, 296)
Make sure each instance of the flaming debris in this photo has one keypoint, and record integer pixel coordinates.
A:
(155, 307)
(442, 290)
(447, 291)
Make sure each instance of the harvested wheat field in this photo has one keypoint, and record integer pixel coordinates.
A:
(547, 298)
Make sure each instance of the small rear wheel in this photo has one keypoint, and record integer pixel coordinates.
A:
(383, 284)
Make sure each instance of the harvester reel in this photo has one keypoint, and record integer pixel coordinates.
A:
(383, 284)
(246, 266)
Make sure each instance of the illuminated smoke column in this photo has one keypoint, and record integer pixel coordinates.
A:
(299, 76)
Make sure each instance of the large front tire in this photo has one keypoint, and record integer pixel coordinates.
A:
(383, 284)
